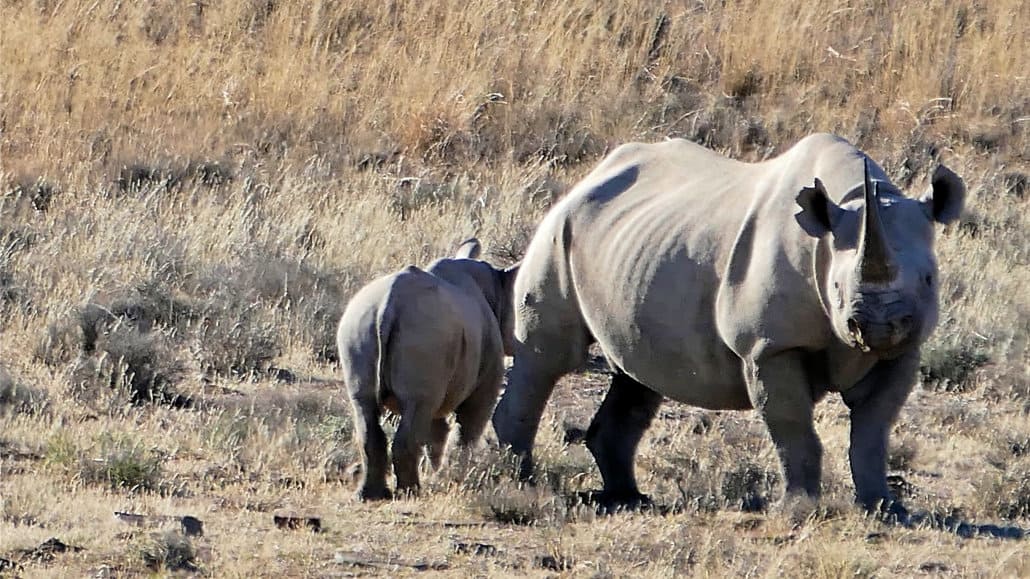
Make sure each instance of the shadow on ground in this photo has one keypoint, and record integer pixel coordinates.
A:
(605, 504)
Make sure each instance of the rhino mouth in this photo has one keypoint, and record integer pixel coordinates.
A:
(856, 338)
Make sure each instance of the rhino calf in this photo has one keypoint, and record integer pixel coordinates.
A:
(424, 344)
(731, 285)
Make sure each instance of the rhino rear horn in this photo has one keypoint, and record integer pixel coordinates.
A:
(877, 260)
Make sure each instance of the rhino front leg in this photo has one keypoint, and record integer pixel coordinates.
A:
(371, 440)
(875, 403)
(779, 390)
(613, 437)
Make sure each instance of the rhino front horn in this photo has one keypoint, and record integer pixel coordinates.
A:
(876, 262)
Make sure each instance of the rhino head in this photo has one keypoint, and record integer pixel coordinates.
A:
(875, 266)
(495, 284)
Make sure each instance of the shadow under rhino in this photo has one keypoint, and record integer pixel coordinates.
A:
(893, 515)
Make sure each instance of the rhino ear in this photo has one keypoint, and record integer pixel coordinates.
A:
(943, 201)
(818, 214)
(469, 249)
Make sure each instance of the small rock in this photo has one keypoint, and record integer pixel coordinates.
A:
(191, 526)
(574, 435)
(475, 549)
(130, 518)
(8, 565)
(282, 375)
(552, 563)
(47, 549)
(933, 567)
(293, 521)
(899, 486)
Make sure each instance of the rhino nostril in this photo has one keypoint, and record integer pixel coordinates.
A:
(904, 324)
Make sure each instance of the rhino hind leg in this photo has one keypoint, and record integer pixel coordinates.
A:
(439, 431)
(371, 439)
(474, 413)
(613, 437)
(413, 434)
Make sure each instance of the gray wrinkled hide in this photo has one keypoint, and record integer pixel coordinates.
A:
(424, 344)
(731, 285)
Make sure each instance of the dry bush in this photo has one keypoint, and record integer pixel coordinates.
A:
(122, 464)
(950, 370)
(1007, 493)
(130, 361)
(226, 316)
(17, 397)
(169, 551)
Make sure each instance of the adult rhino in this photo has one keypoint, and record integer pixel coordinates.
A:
(424, 344)
(729, 285)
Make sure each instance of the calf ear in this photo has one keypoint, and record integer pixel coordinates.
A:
(509, 277)
(818, 214)
(469, 249)
(943, 201)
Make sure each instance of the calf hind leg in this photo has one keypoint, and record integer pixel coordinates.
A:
(413, 434)
(613, 437)
(370, 438)
(474, 413)
(439, 431)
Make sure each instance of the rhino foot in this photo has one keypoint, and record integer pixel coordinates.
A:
(611, 502)
(374, 494)
(892, 512)
(408, 492)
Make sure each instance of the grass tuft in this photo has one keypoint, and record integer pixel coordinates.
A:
(19, 398)
(169, 551)
(122, 464)
(951, 370)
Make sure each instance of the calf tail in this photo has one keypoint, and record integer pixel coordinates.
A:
(384, 329)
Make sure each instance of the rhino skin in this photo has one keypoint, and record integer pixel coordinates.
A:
(424, 344)
(731, 285)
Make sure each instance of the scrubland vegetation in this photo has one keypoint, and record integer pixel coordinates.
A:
(192, 190)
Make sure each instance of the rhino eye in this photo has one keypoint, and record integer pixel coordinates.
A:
(928, 280)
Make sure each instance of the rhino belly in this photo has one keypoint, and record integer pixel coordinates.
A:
(700, 372)
(660, 329)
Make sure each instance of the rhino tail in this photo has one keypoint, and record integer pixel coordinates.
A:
(384, 330)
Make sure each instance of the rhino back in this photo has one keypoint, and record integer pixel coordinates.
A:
(646, 263)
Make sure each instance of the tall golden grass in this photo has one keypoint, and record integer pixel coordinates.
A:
(218, 177)
(97, 84)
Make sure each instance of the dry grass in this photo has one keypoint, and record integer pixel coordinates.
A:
(191, 192)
